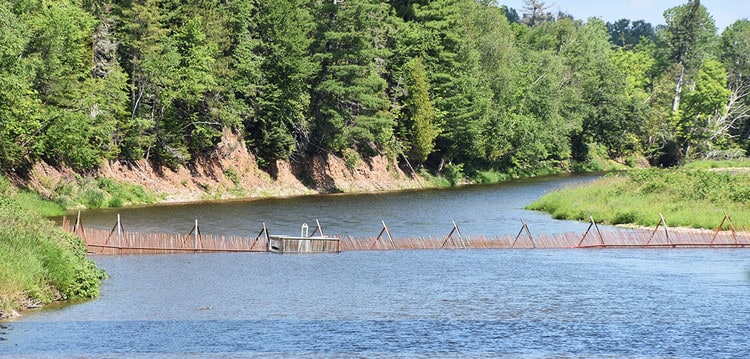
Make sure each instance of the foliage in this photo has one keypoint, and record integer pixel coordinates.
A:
(686, 198)
(420, 129)
(626, 33)
(98, 193)
(700, 105)
(40, 262)
(457, 82)
(483, 177)
(350, 107)
(454, 173)
(709, 164)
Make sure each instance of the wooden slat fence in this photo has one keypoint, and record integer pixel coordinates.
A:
(119, 241)
(620, 238)
(102, 242)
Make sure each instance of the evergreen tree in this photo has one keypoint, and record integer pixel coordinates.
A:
(75, 130)
(452, 59)
(626, 33)
(149, 63)
(280, 125)
(419, 112)
(349, 103)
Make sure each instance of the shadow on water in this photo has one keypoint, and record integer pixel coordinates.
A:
(3, 331)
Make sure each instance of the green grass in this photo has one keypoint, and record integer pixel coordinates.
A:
(713, 164)
(84, 192)
(35, 203)
(40, 263)
(100, 193)
(686, 198)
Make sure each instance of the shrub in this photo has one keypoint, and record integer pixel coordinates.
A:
(232, 175)
(41, 262)
(454, 173)
(352, 159)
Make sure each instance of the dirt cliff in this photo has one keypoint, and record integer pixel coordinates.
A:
(232, 172)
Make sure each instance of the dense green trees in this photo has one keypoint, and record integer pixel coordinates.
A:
(461, 83)
(350, 106)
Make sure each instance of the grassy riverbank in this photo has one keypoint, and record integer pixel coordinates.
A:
(694, 198)
(39, 263)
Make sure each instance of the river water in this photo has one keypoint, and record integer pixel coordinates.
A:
(637, 303)
(477, 210)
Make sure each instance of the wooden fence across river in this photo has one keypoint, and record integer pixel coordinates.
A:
(119, 241)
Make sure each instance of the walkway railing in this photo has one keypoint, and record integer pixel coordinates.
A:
(120, 241)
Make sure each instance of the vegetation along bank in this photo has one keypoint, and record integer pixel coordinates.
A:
(454, 88)
(696, 196)
(40, 262)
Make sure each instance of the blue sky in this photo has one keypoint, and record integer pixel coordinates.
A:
(724, 12)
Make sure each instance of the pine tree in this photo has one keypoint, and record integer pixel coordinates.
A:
(349, 103)
(419, 112)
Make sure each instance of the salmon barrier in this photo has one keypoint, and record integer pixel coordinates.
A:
(119, 241)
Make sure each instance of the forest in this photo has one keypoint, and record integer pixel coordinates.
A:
(458, 85)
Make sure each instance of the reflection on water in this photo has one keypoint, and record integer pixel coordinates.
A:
(538, 303)
(478, 210)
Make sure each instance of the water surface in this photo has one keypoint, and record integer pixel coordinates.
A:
(478, 210)
(494, 303)
(638, 303)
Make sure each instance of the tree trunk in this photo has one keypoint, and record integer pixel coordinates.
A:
(678, 90)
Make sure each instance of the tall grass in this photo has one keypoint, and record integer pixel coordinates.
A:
(84, 192)
(713, 164)
(101, 193)
(686, 198)
(40, 263)
(30, 201)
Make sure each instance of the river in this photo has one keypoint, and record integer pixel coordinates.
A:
(477, 210)
(638, 303)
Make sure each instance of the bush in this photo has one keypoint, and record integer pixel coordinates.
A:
(40, 262)
(454, 173)
(93, 198)
(232, 175)
(625, 217)
(352, 159)
(490, 177)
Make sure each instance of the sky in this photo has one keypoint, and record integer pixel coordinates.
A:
(724, 12)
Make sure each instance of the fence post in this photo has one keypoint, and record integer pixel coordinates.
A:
(262, 231)
(593, 223)
(456, 230)
(731, 227)
(79, 224)
(528, 232)
(118, 227)
(662, 221)
(319, 228)
(195, 235)
(387, 232)
(119, 231)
